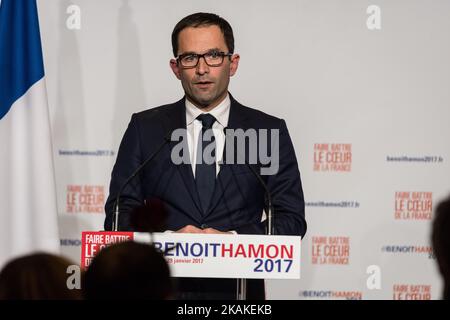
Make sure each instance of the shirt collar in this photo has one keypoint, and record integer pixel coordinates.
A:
(221, 112)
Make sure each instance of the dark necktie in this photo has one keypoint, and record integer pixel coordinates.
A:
(205, 174)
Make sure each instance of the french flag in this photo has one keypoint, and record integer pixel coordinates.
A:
(28, 211)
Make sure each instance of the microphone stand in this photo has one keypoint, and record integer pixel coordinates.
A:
(270, 230)
(241, 292)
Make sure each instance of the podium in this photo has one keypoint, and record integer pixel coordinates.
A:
(211, 255)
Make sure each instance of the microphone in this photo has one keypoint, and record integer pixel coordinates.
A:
(270, 227)
(115, 226)
(270, 230)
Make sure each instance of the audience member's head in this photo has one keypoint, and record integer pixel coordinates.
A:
(128, 270)
(37, 276)
(441, 243)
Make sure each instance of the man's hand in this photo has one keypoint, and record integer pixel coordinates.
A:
(190, 229)
(214, 231)
(193, 229)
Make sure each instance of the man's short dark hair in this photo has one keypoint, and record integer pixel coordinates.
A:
(202, 19)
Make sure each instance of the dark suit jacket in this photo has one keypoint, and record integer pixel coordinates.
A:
(238, 199)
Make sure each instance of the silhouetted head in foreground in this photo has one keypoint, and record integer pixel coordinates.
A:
(128, 270)
(38, 276)
(441, 243)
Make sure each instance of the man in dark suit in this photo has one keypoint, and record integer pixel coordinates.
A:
(200, 196)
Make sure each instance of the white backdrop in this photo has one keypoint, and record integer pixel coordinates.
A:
(367, 111)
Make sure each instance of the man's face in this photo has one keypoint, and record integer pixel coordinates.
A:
(204, 86)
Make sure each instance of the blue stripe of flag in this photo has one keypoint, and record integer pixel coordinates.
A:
(21, 63)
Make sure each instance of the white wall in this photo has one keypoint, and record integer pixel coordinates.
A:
(314, 63)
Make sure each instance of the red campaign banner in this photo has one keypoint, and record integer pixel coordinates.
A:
(92, 242)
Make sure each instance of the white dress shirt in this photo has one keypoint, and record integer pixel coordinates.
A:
(194, 127)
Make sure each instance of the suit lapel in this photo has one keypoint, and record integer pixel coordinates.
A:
(176, 119)
(236, 120)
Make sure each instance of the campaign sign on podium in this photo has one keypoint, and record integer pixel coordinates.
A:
(211, 255)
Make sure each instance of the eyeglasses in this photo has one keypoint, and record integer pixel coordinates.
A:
(212, 59)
